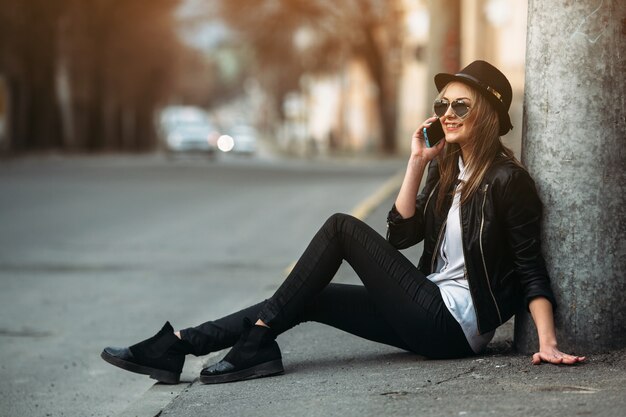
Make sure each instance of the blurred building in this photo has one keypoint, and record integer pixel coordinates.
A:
(338, 112)
(496, 32)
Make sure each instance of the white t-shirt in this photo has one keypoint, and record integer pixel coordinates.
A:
(450, 276)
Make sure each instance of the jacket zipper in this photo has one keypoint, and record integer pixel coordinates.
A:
(482, 253)
(429, 196)
(432, 262)
(466, 275)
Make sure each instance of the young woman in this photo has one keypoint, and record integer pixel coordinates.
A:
(479, 217)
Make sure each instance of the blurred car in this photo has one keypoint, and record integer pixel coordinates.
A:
(240, 139)
(188, 129)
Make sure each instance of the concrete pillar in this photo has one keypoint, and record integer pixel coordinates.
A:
(574, 146)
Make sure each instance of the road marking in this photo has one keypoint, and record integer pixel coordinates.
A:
(365, 207)
(158, 396)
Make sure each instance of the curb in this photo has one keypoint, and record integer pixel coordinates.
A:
(158, 396)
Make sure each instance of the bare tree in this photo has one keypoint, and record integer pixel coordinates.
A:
(367, 29)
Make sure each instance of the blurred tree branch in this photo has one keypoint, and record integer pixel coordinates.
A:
(365, 29)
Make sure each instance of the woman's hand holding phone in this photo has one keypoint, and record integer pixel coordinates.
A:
(421, 155)
(419, 149)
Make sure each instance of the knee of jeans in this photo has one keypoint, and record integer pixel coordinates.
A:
(337, 220)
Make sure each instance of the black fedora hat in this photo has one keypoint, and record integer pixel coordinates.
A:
(490, 82)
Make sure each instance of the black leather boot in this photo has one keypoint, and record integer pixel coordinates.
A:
(256, 354)
(161, 357)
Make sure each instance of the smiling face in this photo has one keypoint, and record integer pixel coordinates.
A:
(458, 130)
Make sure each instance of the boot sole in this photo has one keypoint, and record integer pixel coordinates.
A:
(258, 371)
(160, 375)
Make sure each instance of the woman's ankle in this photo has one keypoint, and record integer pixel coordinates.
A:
(261, 323)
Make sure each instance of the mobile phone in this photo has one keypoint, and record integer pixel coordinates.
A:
(433, 133)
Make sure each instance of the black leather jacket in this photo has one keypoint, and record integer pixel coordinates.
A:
(500, 228)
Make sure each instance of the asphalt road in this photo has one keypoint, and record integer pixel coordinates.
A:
(101, 251)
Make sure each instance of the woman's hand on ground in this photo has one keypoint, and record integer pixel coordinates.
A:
(555, 356)
(542, 314)
(418, 145)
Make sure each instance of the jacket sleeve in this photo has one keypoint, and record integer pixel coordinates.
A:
(523, 211)
(403, 233)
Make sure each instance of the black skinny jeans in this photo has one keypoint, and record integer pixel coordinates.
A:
(396, 305)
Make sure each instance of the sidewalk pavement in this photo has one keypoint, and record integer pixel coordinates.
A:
(331, 373)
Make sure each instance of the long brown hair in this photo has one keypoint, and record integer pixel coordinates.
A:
(486, 146)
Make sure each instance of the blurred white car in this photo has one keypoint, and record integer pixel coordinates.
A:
(240, 139)
(188, 129)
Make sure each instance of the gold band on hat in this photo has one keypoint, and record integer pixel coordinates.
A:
(495, 93)
(492, 90)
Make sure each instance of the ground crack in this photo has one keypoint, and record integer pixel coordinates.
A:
(460, 374)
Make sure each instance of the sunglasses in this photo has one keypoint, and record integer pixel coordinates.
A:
(459, 108)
